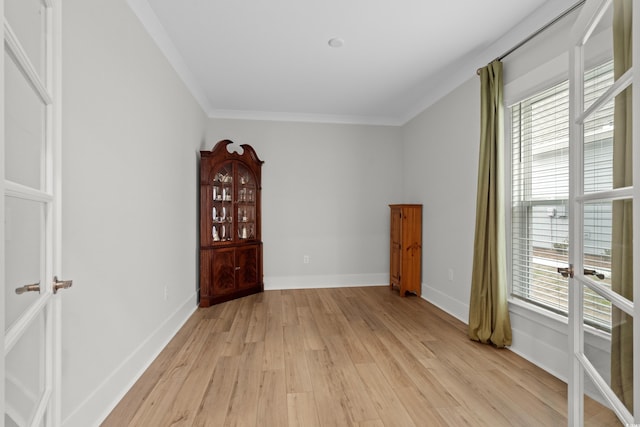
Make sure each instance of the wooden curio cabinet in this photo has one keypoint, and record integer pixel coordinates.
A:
(230, 227)
(406, 248)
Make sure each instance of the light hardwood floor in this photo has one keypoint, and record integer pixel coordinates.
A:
(340, 357)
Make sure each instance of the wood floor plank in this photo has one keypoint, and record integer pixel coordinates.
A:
(330, 409)
(180, 409)
(297, 375)
(485, 410)
(340, 357)
(272, 408)
(412, 335)
(328, 301)
(385, 360)
(358, 401)
(301, 409)
(174, 377)
(256, 327)
(312, 338)
(460, 416)
(437, 395)
(289, 311)
(300, 298)
(415, 401)
(330, 399)
(337, 351)
(243, 405)
(274, 356)
(389, 405)
(353, 345)
(518, 405)
(371, 423)
(214, 405)
(225, 313)
(357, 311)
(236, 338)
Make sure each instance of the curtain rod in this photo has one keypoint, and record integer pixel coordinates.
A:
(536, 33)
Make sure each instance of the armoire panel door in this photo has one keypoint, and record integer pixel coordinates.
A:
(396, 245)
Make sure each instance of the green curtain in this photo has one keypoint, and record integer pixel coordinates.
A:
(622, 232)
(488, 310)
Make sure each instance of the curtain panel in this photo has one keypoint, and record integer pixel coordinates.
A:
(488, 309)
(622, 230)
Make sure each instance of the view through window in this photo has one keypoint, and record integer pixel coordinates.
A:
(540, 192)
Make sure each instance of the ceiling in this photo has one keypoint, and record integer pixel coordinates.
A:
(272, 60)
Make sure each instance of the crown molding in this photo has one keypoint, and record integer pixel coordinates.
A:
(458, 72)
(151, 23)
(304, 117)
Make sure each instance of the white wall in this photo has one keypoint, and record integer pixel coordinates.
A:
(131, 134)
(440, 171)
(326, 191)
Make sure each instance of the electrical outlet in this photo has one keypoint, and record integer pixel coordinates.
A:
(305, 259)
(451, 274)
(166, 292)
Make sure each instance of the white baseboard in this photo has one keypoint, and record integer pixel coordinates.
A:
(273, 283)
(444, 302)
(93, 410)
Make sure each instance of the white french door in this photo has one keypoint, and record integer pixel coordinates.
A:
(29, 214)
(600, 289)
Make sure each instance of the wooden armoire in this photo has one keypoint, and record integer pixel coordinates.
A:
(406, 249)
(230, 224)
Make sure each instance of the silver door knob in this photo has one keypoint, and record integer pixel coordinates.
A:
(60, 284)
(35, 287)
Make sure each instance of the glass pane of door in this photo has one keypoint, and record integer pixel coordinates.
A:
(24, 263)
(622, 357)
(27, 19)
(596, 256)
(610, 355)
(246, 214)
(24, 129)
(222, 204)
(598, 132)
(596, 411)
(25, 374)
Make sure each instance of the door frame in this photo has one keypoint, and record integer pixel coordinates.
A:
(2, 232)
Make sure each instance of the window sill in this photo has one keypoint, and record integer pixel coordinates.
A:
(539, 315)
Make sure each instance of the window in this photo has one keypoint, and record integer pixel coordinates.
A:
(540, 192)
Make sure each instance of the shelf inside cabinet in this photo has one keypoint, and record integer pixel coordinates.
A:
(222, 232)
(246, 231)
(221, 194)
(247, 195)
(246, 213)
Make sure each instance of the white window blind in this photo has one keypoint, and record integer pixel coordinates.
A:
(540, 192)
